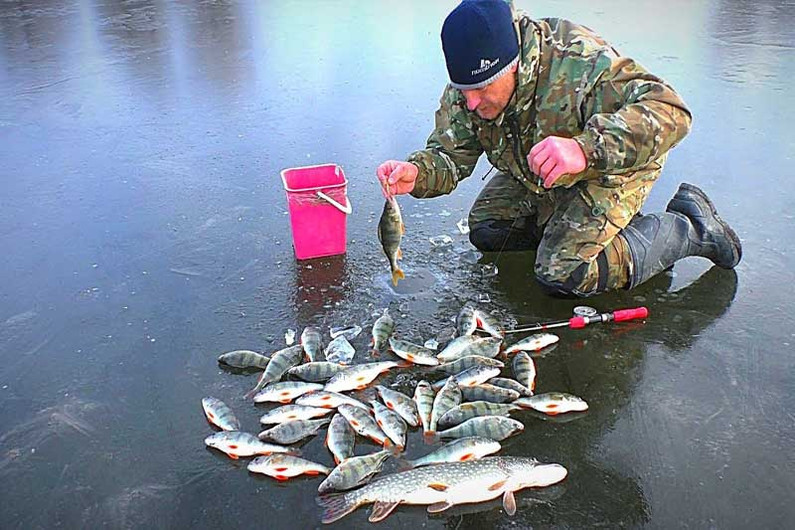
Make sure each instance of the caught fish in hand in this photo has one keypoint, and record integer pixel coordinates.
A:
(390, 232)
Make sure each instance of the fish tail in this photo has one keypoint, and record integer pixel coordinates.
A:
(397, 274)
(336, 506)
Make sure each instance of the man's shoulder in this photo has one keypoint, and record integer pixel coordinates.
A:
(567, 37)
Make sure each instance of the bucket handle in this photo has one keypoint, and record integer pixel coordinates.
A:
(347, 210)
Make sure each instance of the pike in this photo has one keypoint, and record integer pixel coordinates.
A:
(244, 359)
(359, 376)
(412, 352)
(285, 392)
(460, 450)
(280, 362)
(340, 438)
(390, 232)
(293, 431)
(237, 443)
(283, 467)
(219, 414)
(442, 486)
(353, 472)
(400, 403)
(553, 403)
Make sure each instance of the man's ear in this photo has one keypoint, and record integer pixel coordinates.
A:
(515, 67)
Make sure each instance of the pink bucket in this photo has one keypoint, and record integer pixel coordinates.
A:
(319, 209)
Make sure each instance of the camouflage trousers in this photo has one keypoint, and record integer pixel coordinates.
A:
(573, 230)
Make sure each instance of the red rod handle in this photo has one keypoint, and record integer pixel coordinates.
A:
(630, 314)
(578, 322)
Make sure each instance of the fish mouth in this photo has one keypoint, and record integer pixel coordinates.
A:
(546, 475)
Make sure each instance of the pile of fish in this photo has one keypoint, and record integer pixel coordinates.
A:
(468, 403)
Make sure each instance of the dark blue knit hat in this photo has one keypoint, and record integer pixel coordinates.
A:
(479, 42)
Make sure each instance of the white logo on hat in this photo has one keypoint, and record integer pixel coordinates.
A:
(485, 64)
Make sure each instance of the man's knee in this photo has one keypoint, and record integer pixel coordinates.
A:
(559, 282)
(498, 235)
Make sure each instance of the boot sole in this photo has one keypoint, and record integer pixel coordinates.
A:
(730, 233)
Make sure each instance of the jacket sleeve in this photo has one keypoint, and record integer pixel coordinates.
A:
(452, 150)
(632, 118)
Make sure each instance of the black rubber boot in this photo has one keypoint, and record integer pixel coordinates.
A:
(690, 227)
(497, 236)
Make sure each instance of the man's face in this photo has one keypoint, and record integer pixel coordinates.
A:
(489, 101)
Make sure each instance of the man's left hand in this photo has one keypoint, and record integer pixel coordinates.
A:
(555, 156)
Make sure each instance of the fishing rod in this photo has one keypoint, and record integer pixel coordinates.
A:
(587, 315)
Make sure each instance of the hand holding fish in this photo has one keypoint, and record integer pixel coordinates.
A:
(397, 177)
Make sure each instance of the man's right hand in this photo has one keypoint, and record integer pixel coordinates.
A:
(397, 177)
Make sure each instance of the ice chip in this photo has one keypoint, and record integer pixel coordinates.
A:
(431, 344)
(349, 332)
(441, 241)
(488, 270)
(484, 298)
(463, 226)
(289, 337)
(340, 350)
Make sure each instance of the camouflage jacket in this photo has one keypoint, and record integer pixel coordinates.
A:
(570, 83)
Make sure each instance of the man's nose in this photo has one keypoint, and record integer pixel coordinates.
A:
(473, 99)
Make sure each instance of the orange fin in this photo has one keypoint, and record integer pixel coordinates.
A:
(497, 485)
(438, 486)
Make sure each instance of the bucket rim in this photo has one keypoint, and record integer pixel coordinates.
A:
(336, 166)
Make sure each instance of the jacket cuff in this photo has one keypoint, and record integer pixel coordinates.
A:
(421, 184)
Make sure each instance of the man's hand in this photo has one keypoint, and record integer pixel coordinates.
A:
(555, 156)
(397, 177)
